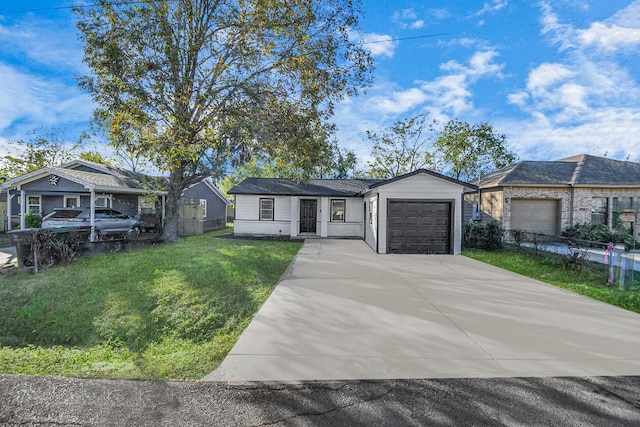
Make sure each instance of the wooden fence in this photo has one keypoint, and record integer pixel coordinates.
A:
(191, 221)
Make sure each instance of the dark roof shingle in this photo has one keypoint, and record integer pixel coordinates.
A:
(313, 187)
(582, 170)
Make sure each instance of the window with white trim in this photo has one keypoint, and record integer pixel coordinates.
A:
(266, 209)
(337, 210)
(71, 201)
(34, 204)
(102, 201)
(203, 203)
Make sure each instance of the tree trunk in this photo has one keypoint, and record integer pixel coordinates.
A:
(172, 208)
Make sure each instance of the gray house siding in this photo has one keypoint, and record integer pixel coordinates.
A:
(42, 185)
(216, 215)
(125, 203)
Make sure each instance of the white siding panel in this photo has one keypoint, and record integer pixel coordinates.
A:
(352, 226)
(371, 227)
(247, 207)
(247, 216)
(421, 186)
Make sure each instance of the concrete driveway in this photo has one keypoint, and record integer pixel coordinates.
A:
(343, 312)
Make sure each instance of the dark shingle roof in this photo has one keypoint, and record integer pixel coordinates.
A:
(582, 170)
(531, 173)
(594, 170)
(313, 187)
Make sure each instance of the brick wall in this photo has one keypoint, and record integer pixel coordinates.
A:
(575, 206)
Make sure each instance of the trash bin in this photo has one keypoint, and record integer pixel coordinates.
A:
(18, 238)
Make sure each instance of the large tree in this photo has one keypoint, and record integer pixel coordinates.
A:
(402, 148)
(199, 79)
(470, 150)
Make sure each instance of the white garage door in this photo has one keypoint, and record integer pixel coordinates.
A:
(535, 215)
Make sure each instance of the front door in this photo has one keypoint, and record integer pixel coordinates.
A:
(308, 215)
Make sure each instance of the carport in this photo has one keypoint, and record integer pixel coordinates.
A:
(342, 311)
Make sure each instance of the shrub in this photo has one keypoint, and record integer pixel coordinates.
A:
(32, 220)
(599, 233)
(488, 236)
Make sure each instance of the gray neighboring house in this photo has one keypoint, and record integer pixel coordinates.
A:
(549, 196)
(214, 203)
(420, 212)
(81, 183)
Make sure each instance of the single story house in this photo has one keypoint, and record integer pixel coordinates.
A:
(81, 183)
(214, 203)
(549, 196)
(420, 212)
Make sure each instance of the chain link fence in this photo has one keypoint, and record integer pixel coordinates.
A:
(621, 266)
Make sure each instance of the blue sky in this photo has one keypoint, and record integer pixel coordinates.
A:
(558, 78)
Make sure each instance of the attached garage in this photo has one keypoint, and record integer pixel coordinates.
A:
(535, 215)
(416, 213)
(419, 227)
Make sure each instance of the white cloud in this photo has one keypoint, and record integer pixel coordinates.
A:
(628, 17)
(610, 38)
(586, 101)
(28, 102)
(407, 18)
(546, 75)
(439, 13)
(44, 42)
(377, 44)
(612, 130)
(399, 102)
(451, 93)
(492, 7)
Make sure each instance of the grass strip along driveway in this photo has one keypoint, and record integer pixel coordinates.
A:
(169, 311)
(552, 270)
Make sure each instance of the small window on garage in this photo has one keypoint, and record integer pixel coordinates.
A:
(599, 210)
(266, 209)
(337, 210)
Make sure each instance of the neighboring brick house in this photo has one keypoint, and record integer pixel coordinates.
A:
(550, 196)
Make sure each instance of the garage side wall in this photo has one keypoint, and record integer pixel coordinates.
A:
(418, 187)
(371, 220)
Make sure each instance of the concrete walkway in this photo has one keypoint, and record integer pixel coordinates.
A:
(343, 312)
(7, 256)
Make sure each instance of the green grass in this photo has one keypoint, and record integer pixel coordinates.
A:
(584, 281)
(170, 311)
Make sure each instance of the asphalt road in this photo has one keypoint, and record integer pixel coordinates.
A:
(48, 401)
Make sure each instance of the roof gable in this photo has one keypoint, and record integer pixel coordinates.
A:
(208, 183)
(91, 180)
(423, 171)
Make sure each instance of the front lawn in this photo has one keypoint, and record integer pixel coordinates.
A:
(170, 311)
(583, 281)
